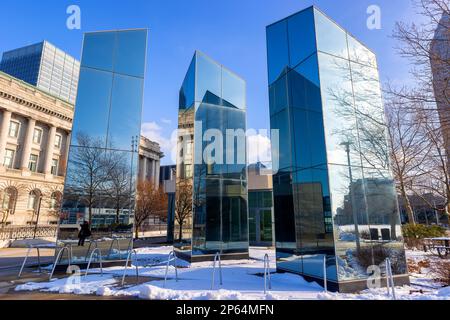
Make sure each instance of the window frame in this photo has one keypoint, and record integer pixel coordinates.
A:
(17, 132)
(41, 133)
(35, 162)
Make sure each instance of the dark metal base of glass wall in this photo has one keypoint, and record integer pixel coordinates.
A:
(210, 257)
(349, 286)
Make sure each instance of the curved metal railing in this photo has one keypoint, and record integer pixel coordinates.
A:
(172, 257)
(115, 240)
(267, 273)
(325, 280)
(26, 258)
(126, 266)
(390, 279)
(216, 258)
(99, 255)
(95, 242)
(59, 256)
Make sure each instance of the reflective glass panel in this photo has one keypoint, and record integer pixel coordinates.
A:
(277, 50)
(360, 54)
(339, 112)
(302, 39)
(130, 53)
(331, 38)
(208, 80)
(98, 50)
(125, 115)
(93, 103)
(233, 89)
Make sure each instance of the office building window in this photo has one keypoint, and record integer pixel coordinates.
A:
(54, 169)
(9, 158)
(32, 166)
(37, 136)
(58, 141)
(33, 200)
(14, 128)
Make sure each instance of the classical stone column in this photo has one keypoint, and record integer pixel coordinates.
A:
(144, 168)
(50, 149)
(157, 172)
(26, 151)
(4, 128)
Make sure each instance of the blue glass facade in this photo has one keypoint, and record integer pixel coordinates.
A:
(46, 67)
(211, 199)
(102, 165)
(334, 194)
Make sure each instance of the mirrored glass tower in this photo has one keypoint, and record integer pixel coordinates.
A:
(211, 213)
(102, 165)
(334, 195)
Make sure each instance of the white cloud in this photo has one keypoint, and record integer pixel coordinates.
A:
(154, 132)
(166, 121)
(258, 148)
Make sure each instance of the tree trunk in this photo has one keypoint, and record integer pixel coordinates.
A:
(180, 236)
(408, 207)
(136, 231)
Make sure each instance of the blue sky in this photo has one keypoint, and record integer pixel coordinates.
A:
(230, 31)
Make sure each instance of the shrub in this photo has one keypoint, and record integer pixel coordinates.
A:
(377, 256)
(441, 271)
(414, 234)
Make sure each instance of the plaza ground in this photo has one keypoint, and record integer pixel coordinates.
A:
(242, 280)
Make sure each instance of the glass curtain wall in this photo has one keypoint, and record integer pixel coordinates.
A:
(98, 203)
(211, 171)
(334, 193)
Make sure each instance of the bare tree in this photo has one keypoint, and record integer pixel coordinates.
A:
(408, 149)
(119, 182)
(426, 46)
(150, 201)
(88, 172)
(183, 204)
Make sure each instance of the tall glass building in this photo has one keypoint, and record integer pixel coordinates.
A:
(46, 67)
(102, 164)
(334, 195)
(211, 213)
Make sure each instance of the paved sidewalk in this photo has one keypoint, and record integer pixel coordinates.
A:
(12, 258)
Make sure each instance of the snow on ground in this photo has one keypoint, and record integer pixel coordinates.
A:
(242, 280)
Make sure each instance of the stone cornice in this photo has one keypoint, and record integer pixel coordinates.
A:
(23, 94)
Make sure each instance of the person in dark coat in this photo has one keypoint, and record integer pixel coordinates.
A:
(84, 233)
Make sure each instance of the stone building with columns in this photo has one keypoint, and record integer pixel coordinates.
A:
(34, 141)
(149, 160)
(35, 137)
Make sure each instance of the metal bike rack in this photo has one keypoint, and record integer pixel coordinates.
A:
(325, 284)
(89, 248)
(126, 266)
(115, 240)
(216, 258)
(59, 256)
(172, 257)
(26, 258)
(390, 279)
(267, 273)
(99, 259)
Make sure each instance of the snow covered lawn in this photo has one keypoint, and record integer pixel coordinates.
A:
(242, 280)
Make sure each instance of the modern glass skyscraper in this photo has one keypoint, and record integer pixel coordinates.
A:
(102, 165)
(334, 195)
(46, 67)
(211, 188)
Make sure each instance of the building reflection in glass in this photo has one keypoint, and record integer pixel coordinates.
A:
(334, 194)
(98, 203)
(211, 193)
